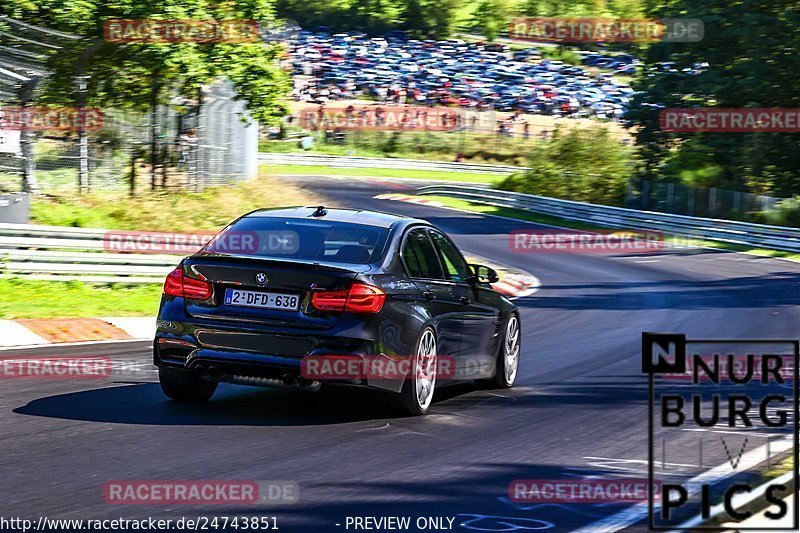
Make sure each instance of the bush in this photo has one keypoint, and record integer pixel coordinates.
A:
(559, 53)
(786, 213)
(583, 164)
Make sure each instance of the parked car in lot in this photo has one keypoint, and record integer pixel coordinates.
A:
(279, 288)
(398, 70)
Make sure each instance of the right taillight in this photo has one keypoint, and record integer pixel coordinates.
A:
(177, 284)
(360, 298)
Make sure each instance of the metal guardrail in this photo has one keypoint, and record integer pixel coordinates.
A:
(336, 161)
(743, 233)
(63, 253)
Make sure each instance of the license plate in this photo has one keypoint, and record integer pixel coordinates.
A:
(263, 300)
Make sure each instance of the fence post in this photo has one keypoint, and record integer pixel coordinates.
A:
(81, 84)
(29, 182)
(27, 139)
(690, 202)
(201, 141)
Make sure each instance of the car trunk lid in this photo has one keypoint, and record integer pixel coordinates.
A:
(275, 276)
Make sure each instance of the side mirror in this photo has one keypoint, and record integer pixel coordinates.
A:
(483, 274)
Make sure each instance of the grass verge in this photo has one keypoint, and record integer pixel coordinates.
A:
(468, 177)
(69, 299)
(165, 210)
(778, 470)
(168, 210)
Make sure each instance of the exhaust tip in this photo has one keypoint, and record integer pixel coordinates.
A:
(303, 382)
(288, 379)
(200, 370)
(214, 372)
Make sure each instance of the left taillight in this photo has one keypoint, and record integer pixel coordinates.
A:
(360, 298)
(177, 284)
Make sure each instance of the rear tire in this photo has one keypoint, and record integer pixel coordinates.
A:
(185, 386)
(507, 357)
(416, 396)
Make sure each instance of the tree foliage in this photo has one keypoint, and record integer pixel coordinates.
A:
(750, 48)
(492, 16)
(431, 19)
(136, 75)
(421, 18)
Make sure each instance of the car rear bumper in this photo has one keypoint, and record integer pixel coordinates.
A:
(257, 357)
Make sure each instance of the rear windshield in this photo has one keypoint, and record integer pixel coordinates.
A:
(312, 240)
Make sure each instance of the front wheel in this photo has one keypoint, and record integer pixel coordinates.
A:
(508, 358)
(417, 394)
(185, 386)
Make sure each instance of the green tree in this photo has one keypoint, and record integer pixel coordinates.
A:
(145, 75)
(432, 19)
(749, 52)
(375, 16)
(492, 17)
(138, 75)
(562, 8)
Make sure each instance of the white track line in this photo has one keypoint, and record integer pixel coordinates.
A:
(638, 512)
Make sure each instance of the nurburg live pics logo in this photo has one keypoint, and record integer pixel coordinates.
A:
(722, 406)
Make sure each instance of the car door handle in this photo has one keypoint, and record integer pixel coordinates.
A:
(464, 300)
(428, 295)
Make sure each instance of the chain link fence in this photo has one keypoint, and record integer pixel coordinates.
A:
(184, 145)
(680, 199)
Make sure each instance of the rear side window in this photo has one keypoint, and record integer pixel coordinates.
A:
(454, 262)
(311, 240)
(420, 256)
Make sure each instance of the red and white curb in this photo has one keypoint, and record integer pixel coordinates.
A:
(38, 332)
(517, 285)
(410, 199)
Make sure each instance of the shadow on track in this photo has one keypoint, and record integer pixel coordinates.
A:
(144, 403)
(477, 499)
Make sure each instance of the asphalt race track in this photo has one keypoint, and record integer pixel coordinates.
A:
(579, 407)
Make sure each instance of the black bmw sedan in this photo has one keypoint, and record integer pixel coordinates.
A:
(309, 296)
